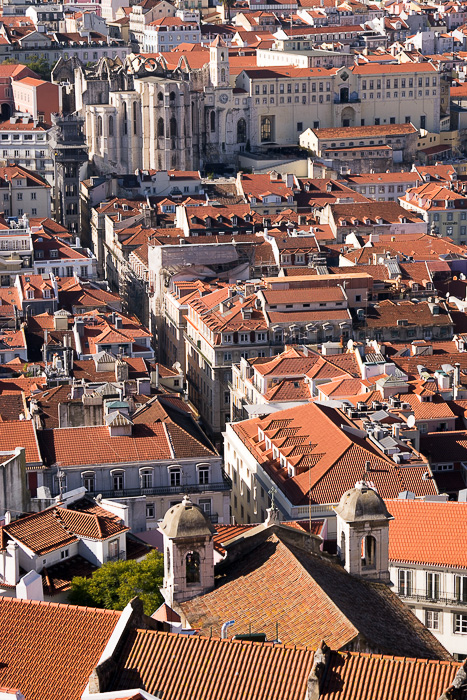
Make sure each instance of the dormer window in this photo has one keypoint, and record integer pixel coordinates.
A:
(54, 253)
(30, 294)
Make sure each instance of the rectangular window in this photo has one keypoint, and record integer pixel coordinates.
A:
(175, 477)
(146, 479)
(461, 588)
(432, 619)
(405, 582)
(150, 511)
(206, 505)
(432, 585)
(460, 624)
(203, 475)
(113, 549)
(118, 481)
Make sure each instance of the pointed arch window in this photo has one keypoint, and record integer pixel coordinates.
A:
(111, 126)
(160, 127)
(173, 127)
(213, 121)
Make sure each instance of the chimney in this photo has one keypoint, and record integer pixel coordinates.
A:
(121, 371)
(79, 326)
(12, 563)
(320, 661)
(29, 587)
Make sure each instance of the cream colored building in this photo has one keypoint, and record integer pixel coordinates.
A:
(152, 115)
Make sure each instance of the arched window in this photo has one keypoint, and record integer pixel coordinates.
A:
(160, 97)
(99, 126)
(203, 473)
(368, 552)
(118, 479)
(160, 127)
(241, 131)
(175, 476)
(125, 118)
(135, 118)
(192, 564)
(223, 75)
(89, 480)
(266, 129)
(111, 126)
(172, 97)
(213, 120)
(145, 476)
(222, 56)
(173, 127)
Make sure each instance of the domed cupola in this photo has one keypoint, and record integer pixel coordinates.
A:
(363, 532)
(188, 552)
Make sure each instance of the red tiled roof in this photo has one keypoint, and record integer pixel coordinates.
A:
(56, 527)
(94, 445)
(363, 676)
(328, 460)
(429, 533)
(21, 433)
(49, 650)
(254, 591)
(212, 669)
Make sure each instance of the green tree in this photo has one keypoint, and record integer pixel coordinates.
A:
(228, 4)
(40, 66)
(37, 63)
(116, 583)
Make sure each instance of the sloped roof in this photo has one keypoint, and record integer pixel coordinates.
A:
(328, 460)
(328, 603)
(357, 676)
(211, 669)
(56, 527)
(49, 650)
(21, 433)
(413, 537)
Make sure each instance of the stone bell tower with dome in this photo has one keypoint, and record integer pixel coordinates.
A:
(363, 533)
(188, 553)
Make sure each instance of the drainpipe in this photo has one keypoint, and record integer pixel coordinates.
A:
(225, 627)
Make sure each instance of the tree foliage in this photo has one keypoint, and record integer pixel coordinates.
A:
(116, 583)
(37, 63)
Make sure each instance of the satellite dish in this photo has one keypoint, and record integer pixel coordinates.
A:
(410, 421)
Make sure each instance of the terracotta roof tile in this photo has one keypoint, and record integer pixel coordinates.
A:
(49, 650)
(362, 676)
(94, 445)
(227, 668)
(327, 460)
(21, 433)
(251, 592)
(414, 539)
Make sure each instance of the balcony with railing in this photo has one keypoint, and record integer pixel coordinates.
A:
(119, 556)
(422, 596)
(224, 485)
